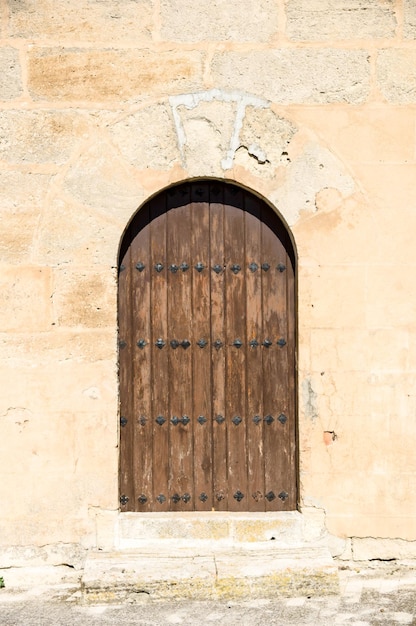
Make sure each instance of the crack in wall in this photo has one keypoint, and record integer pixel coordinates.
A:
(256, 152)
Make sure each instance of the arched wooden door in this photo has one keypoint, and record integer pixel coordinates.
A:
(207, 354)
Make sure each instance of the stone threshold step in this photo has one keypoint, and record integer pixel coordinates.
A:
(286, 528)
(216, 573)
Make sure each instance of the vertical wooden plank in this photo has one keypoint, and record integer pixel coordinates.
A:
(201, 335)
(140, 357)
(235, 316)
(218, 349)
(275, 372)
(255, 424)
(292, 501)
(126, 382)
(180, 356)
(159, 355)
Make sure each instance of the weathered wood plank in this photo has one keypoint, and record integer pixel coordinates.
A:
(181, 479)
(159, 356)
(219, 425)
(201, 332)
(140, 362)
(254, 387)
(235, 324)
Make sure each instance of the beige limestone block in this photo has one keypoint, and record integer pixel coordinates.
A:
(371, 133)
(17, 229)
(60, 387)
(22, 190)
(37, 556)
(70, 233)
(411, 357)
(390, 296)
(340, 547)
(53, 512)
(57, 346)
(389, 349)
(366, 548)
(106, 527)
(111, 75)
(326, 20)
(396, 74)
(147, 139)
(40, 136)
(94, 452)
(304, 75)
(392, 189)
(96, 487)
(115, 21)
(336, 220)
(207, 134)
(389, 431)
(409, 26)
(22, 197)
(381, 394)
(355, 524)
(219, 20)
(340, 351)
(392, 192)
(264, 141)
(361, 504)
(40, 530)
(156, 527)
(39, 442)
(102, 180)
(10, 74)
(314, 169)
(329, 288)
(84, 298)
(25, 298)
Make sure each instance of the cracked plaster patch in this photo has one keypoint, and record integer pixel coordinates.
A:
(208, 128)
(264, 139)
(191, 101)
(313, 170)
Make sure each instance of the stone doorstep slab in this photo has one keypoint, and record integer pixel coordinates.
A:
(204, 574)
(136, 530)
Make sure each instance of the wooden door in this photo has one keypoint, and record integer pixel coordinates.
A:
(207, 354)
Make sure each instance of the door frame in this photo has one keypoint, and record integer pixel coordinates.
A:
(138, 221)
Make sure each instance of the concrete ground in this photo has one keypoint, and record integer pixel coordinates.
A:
(370, 594)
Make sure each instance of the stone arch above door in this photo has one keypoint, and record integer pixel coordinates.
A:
(223, 134)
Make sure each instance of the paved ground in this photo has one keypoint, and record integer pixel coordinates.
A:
(376, 594)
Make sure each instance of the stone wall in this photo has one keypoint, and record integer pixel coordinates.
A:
(310, 103)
